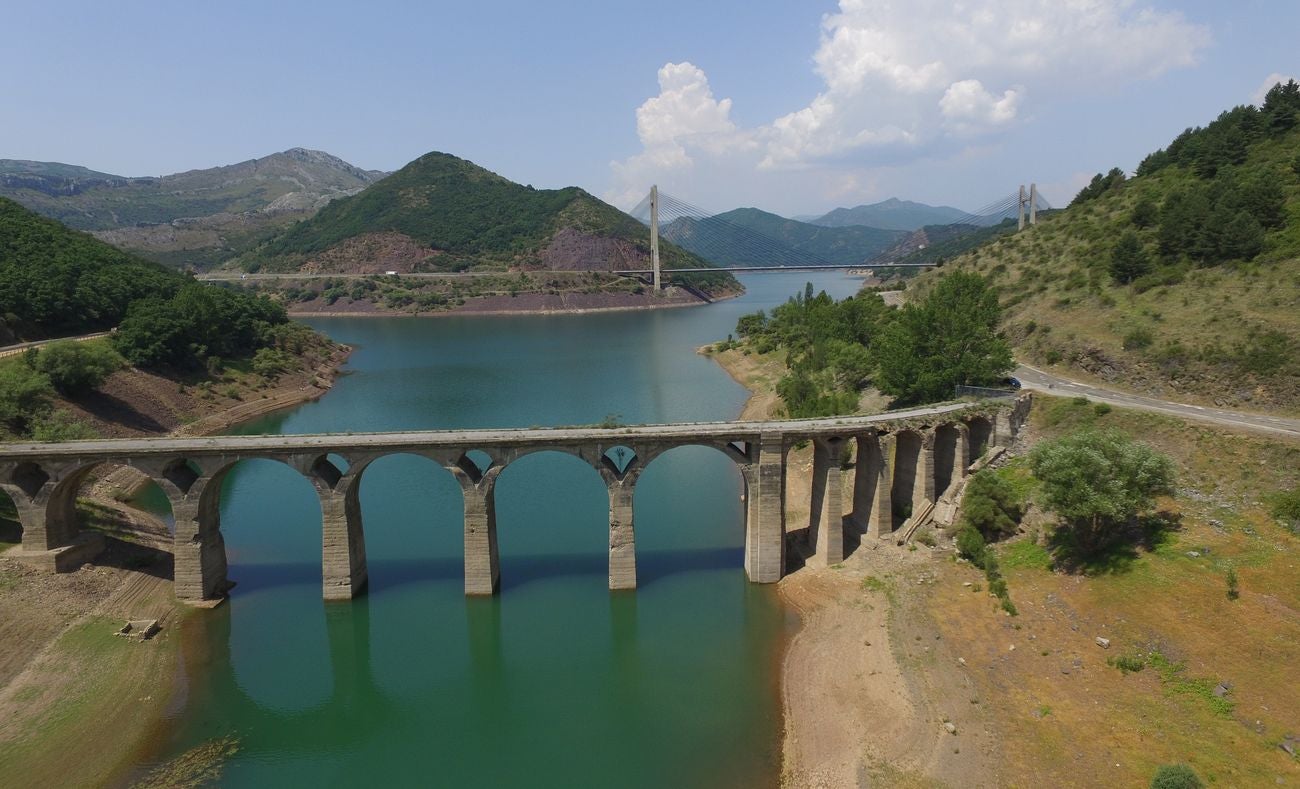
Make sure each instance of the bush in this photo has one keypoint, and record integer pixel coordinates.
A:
(1286, 507)
(1139, 338)
(1176, 776)
(1099, 480)
(990, 506)
(62, 426)
(271, 363)
(970, 544)
(75, 368)
(25, 396)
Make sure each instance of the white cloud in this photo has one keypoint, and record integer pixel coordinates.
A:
(684, 117)
(967, 104)
(903, 81)
(1269, 82)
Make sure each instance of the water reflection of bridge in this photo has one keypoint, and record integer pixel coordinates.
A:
(870, 475)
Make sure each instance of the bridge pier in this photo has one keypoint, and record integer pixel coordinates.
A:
(622, 535)
(482, 562)
(198, 549)
(871, 482)
(343, 542)
(826, 516)
(765, 512)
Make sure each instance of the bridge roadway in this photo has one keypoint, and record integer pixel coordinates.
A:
(902, 462)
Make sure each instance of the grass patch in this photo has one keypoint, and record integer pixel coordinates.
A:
(1025, 555)
(873, 584)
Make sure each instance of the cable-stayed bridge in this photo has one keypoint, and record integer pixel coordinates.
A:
(736, 247)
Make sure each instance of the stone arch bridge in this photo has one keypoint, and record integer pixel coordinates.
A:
(902, 462)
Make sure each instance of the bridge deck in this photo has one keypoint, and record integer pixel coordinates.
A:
(728, 431)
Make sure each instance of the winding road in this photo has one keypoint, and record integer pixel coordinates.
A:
(1038, 380)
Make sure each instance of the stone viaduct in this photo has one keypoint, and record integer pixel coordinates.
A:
(902, 462)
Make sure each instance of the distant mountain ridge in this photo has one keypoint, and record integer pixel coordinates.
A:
(891, 214)
(443, 213)
(753, 237)
(194, 218)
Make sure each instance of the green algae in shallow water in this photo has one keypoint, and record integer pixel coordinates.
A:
(198, 766)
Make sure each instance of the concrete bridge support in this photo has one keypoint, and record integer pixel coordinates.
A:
(871, 481)
(765, 512)
(826, 516)
(343, 542)
(198, 548)
(482, 562)
(622, 535)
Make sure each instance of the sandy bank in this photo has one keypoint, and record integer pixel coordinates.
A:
(866, 683)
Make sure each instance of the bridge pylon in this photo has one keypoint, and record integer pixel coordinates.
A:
(1030, 200)
(654, 236)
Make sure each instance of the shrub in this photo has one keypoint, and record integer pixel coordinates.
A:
(1098, 480)
(271, 363)
(990, 506)
(75, 368)
(62, 426)
(1233, 591)
(1128, 664)
(25, 396)
(1176, 776)
(970, 544)
(1286, 507)
(1139, 338)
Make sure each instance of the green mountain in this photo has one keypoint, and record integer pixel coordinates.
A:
(195, 218)
(750, 237)
(55, 281)
(442, 213)
(1182, 281)
(891, 214)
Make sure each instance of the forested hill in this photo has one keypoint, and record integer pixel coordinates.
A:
(55, 281)
(442, 213)
(751, 237)
(1181, 281)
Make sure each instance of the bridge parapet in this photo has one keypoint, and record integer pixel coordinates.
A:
(869, 474)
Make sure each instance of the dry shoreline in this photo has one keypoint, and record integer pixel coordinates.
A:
(125, 698)
(855, 710)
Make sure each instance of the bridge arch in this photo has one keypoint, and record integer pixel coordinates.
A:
(903, 491)
(980, 437)
(275, 512)
(561, 487)
(948, 462)
(660, 501)
(411, 505)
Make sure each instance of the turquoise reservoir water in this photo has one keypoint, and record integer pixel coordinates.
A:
(556, 681)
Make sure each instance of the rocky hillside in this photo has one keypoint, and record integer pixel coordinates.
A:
(191, 219)
(751, 237)
(891, 214)
(1182, 281)
(442, 213)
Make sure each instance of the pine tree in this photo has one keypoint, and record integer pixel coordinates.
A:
(1129, 260)
(1241, 238)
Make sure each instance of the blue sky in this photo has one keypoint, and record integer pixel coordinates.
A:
(794, 107)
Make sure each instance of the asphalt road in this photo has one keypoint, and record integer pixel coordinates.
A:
(1033, 378)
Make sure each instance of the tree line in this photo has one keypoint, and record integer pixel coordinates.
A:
(916, 354)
